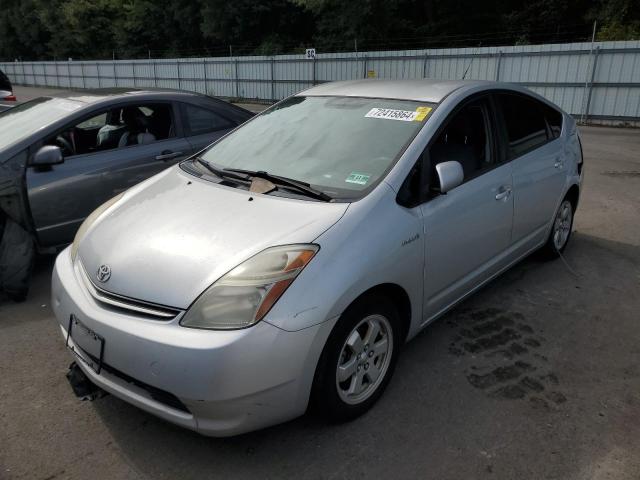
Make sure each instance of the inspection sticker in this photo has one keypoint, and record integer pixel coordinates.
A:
(358, 178)
(403, 115)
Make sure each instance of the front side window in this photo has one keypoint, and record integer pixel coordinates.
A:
(465, 139)
(524, 121)
(340, 145)
(116, 128)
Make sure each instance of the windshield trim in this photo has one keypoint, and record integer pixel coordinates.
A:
(357, 195)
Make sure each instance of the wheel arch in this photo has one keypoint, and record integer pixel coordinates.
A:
(573, 195)
(397, 295)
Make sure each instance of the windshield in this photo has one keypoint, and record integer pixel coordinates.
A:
(21, 121)
(340, 145)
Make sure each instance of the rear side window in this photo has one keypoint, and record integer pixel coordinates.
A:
(524, 121)
(202, 120)
(554, 119)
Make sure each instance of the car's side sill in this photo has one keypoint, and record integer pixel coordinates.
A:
(480, 285)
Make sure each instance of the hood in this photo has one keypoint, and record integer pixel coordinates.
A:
(170, 238)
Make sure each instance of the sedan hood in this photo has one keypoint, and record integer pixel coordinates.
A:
(173, 236)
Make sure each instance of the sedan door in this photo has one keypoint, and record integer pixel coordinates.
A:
(537, 155)
(96, 168)
(468, 229)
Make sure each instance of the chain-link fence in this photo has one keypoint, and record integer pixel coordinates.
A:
(595, 82)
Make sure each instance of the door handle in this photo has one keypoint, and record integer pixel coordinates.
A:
(504, 193)
(168, 155)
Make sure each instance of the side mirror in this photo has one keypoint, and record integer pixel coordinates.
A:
(450, 175)
(48, 155)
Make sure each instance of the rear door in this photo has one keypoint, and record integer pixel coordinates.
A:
(468, 229)
(535, 150)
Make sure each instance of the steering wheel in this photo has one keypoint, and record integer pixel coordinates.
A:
(65, 145)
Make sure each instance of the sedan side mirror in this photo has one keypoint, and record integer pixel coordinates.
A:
(48, 155)
(450, 175)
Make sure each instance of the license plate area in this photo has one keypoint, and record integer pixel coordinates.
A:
(88, 346)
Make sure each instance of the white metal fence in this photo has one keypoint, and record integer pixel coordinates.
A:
(599, 82)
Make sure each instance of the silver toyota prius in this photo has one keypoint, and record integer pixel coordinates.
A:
(283, 267)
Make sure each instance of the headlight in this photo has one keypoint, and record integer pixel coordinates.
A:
(88, 222)
(245, 295)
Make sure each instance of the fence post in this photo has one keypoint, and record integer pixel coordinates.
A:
(155, 75)
(593, 77)
(204, 65)
(314, 70)
(179, 81)
(84, 83)
(273, 80)
(44, 71)
(237, 80)
(115, 73)
(24, 80)
(424, 64)
(498, 66)
(133, 69)
(98, 71)
(57, 74)
(365, 67)
(69, 73)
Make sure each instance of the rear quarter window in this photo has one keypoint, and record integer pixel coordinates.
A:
(201, 120)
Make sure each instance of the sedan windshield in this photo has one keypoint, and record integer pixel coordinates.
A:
(21, 121)
(339, 145)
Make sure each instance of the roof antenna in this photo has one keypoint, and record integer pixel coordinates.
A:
(464, 75)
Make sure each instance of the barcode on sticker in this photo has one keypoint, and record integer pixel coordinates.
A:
(391, 114)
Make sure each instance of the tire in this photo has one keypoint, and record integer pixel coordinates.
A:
(370, 366)
(560, 230)
(17, 255)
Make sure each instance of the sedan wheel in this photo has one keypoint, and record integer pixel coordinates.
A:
(560, 231)
(364, 359)
(562, 225)
(358, 359)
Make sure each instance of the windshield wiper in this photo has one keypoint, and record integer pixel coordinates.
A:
(219, 172)
(287, 182)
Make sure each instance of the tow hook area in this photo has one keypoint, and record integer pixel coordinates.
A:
(84, 388)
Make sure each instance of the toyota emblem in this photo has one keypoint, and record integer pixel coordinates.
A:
(104, 273)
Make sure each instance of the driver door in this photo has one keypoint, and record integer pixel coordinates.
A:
(62, 196)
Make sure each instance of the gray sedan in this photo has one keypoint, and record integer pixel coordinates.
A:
(63, 156)
(285, 266)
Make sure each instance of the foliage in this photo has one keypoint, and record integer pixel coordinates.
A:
(82, 29)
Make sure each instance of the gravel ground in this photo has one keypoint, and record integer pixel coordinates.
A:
(564, 403)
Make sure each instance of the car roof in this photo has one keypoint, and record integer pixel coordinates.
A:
(100, 94)
(425, 90)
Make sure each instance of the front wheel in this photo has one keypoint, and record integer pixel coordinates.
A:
(561, 230)
(358, 360)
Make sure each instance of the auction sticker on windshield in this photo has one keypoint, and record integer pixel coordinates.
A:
(403, 115)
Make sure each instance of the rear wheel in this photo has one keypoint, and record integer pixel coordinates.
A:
(358, 360)
(561, 230)
(17, 254)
